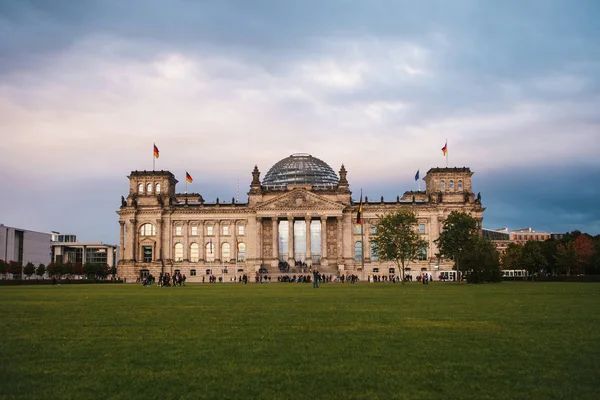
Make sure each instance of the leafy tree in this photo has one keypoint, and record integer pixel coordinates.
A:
(549, 251)
(511, 259)
(584, 248)
(29, 269)
(397, 239)
(459, 232)
(3, 268)
(532, 258)
(565, 256)
(54, 269)
(480, 261)
(41, 270)
(66, 269)
(15, 268)
(77, 268)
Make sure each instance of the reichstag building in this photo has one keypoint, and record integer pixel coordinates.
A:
(300, 215)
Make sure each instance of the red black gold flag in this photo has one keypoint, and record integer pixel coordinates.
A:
(155, 151)
(360, 212)
(188, 177)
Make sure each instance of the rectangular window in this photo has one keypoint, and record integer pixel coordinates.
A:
(178, 231)
(357, 229)
(373, 229)
(193, 272)
(422, 229)
(209, 230)
(226, 230)
(147, 250)
(194, 231)
(241, 230)
(392, 270)
(375, 270)
(209, 272)
(423, 253)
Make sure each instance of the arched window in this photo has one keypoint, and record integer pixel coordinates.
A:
(194, 252)
(147, 230)
(460, 187)
(241, 256)
(210, 252)
(157, 191)
(451, 185)
(358, 251)
(225, 252)
(141, 188)
(442, 185)
(149, 189)
(374, 254)
(178, 252)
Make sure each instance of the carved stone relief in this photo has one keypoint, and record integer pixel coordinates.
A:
(332, 240)
(267, 238)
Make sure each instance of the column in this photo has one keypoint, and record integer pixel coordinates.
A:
(275, 239)
(323, 238)
(291, 240)
(132, 240)
(201, 244)
(234, 247)
(218, 240)
(158, 251)
(122, 240)
(186, 241)
(340, 239)
(308, 238)
(259, 240)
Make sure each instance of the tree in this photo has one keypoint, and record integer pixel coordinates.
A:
(54, 269)
(3, 268)
(397, 239)
(584, 248)
(41, 270)
(549, 251)
(511, 259)
(15, 268)
(480, 261)
(565, 257)
(532, 258)
(77, 268)
(459, 232)
(29, 269)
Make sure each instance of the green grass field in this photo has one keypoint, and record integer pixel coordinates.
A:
(289, 341)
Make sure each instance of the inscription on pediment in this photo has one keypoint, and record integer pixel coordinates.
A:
(299, 199)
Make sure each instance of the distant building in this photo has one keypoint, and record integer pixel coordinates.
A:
(24, 246)
(521, 236)
(500, 238)
(66, 249)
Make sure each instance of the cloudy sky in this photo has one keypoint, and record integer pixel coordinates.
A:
(87, 86)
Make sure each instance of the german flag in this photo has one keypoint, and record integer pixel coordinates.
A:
(155, 151)
(360, 212)
(445, 148)
(188, 177)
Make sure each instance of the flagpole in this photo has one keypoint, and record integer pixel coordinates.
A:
(186, 181)
(362, 241)
(153, 157)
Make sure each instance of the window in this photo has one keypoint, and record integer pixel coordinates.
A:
(157, 191)
(178, 252)
(209, 272)
(194, 231)
(144, 273)
(451, 185)
(358, 251)
(422, 253)
(374, 254)
(375, 270)
(147, 253)
(194, 252)
(209, 230)
(225, 252)
(149, 189)
(210, 252)
(178, 231)
(141, 188)
(192, 272)
(241, 230)
(373, 229)
(147, 230)
(442, 185)
(357, 229)
(241, 256)
(392, 270)
(460, 186)
(422, 229)
(226, 230)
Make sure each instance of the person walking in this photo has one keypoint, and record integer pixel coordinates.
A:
(316, 278)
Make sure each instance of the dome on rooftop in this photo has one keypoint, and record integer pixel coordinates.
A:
(300, 169)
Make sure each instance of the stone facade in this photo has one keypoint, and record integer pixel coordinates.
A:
(162, 231)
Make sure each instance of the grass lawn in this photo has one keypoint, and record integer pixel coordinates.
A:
(289, 341)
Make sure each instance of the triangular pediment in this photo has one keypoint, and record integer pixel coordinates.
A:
(299, 199)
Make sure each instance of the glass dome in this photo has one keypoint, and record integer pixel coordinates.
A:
(300, 169)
